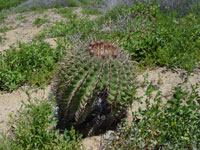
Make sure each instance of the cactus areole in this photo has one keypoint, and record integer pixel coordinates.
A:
(93, 88)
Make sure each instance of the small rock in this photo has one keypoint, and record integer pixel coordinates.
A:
(21, 25)
(108, 134)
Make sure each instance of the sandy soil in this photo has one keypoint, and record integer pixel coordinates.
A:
(78, 11)
(24, 30)
(22, 27)
(166, 80)
(11, 102)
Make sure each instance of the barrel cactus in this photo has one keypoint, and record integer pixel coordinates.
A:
(94, 87)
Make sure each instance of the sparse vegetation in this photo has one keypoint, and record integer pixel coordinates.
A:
(10, 3)
(5, 29)
(1, 39)
(32, 63)
(40, 21)
(75, 26)
(65, 12)
(20, 17)
(3, 16)
(34, 128)
(171, 125)
(93, 92)
(73, 3)
(153, 37)
(148, 34)
(91, 12)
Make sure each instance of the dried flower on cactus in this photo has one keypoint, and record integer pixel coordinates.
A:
(93, 88)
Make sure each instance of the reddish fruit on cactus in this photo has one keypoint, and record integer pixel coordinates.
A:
(102, 41)
(105, 46)
(114, 47)
(91, 52)
(98, 42)
(102, 49)
(115, 53)
(92, 44)
(90, 48)
(93, 88)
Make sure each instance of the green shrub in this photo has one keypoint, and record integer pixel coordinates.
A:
(66, 12)
(10, 3)
(1, 39)
(77, 3)
(153, 37)
(20, 17)
(89, 2)
(116, 12)
(91, 12)
(173, 125)
(76, 26)
(5, 29)
(34, 128)
(164, 40)
(39, 21)
(73, 3)
(31, 63)
(3, 16)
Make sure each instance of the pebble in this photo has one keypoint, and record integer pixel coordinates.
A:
(108, 134)
(21, 25)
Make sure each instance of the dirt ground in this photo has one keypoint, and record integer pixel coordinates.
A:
(11, 102)
(22, 27)
(163, 78)
(24, 31)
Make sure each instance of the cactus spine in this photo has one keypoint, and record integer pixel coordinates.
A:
(93, 88)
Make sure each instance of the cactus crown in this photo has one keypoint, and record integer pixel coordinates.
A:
(93, 92)
(102, 49)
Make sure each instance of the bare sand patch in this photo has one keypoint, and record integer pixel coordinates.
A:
(11, 102)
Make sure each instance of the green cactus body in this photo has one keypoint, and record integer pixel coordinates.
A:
(93, 88)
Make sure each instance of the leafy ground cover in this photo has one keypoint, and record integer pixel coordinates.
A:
(40, 21)
(151, 37)
(3, 16)
(33, 128)
(9, 4)
(32, 63)
(155, 38)
(173, 125)
(77, 3)
(65, 12)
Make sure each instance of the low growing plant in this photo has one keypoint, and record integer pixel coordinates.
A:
(171, 125)
(32, 63)
(5, 29)
(40, 21)
(1, 39)
(33, 127)
(3, 16)
(155, 38)
(91, 12)
(75, 26)
(9, 4)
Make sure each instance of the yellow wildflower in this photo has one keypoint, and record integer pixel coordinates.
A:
(109, 21)
(95, 28)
